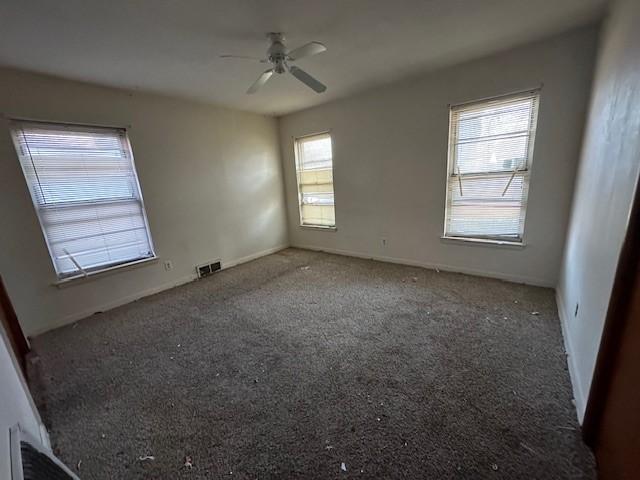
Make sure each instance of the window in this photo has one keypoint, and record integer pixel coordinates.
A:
(490, 153)
(314, 170)
(85, 191)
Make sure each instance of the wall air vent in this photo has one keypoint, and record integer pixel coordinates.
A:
(30, 460)
(207, 269)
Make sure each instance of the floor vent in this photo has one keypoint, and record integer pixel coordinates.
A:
(208, 268)
(31, 461)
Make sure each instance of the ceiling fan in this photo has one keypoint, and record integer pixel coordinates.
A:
(280, 58)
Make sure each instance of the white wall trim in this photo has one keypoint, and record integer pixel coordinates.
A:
(538, 282)
(253, 256)
(74, 317)
(43, 433)
(151, 291)
(578, 389)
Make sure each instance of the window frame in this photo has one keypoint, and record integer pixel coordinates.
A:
(62, 277)
(499, 240)
(296, 152)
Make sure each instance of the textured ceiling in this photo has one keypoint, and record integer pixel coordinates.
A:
(172, 46)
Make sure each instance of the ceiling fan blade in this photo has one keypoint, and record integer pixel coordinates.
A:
(307, 79)
(244, 57)
(312, 48)
(262, 79)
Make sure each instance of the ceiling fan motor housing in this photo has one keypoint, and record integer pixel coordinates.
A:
(277, 53)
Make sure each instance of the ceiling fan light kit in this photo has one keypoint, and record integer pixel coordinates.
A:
(280, 60)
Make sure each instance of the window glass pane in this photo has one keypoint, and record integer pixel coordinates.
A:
(501, 119)
(85, 190)
(493, 139)
(317, 198)
(78, 166)
(499, 155)
(314, 168)
(482, 210)
(315, 153)
(490, 151)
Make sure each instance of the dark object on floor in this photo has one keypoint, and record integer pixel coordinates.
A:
(38, 466)
(30, 460)
(272, 370)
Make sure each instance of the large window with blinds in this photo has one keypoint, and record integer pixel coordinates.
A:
(314, 171)
(86, 194)
(490, 153)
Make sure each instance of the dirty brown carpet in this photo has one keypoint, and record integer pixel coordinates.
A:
(297, 363)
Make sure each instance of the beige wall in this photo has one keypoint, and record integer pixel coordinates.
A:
(211, 180)
(607, 179)
(390, 160)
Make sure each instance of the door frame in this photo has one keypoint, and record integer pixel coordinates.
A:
(627, 279)
(17, 341)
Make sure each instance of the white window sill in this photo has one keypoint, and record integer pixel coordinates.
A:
(483, 242)
(319, 227)
(80, 278)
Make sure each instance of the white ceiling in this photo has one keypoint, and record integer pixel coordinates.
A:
(172, 46)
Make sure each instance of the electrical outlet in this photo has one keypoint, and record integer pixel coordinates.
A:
(168, 265)
(575, 314)
(383, 241)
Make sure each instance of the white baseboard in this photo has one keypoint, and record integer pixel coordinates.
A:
(253, 256)
(434, 266)
(579, 394)
(74, 317)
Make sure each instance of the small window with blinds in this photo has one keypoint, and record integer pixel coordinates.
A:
(490, 154)
(314, 171)
(86, 194)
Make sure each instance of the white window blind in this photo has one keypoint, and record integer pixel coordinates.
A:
(86, 193)
(314, 169)
(490, 154)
